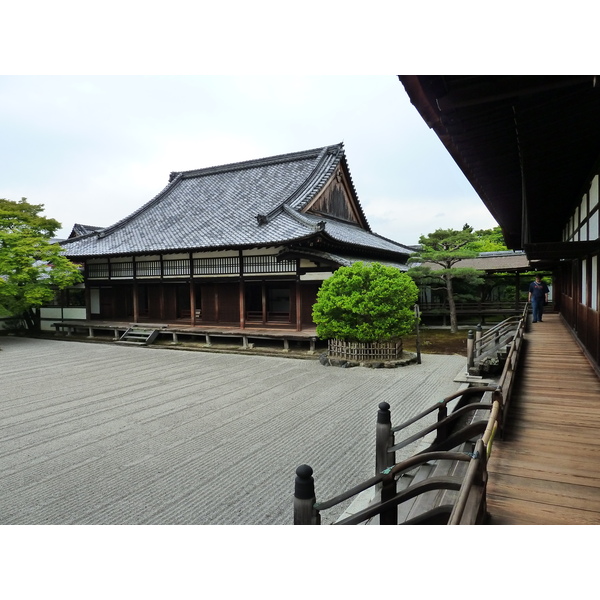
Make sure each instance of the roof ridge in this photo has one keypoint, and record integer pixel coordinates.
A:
(257, 162)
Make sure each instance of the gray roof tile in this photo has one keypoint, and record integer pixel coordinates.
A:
(218, 207)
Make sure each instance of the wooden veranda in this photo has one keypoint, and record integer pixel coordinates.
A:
(546, 469)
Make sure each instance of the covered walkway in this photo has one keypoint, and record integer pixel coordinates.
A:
(546, 470)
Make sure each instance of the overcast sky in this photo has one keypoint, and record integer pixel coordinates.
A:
(93, 149)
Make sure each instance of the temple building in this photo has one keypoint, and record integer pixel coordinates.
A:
(243, 245)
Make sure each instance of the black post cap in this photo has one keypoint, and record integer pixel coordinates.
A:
(304, 488)
(383, 414)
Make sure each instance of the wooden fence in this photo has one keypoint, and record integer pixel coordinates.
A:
(362, 351)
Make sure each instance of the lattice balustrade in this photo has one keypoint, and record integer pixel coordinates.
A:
(180, 266)
(98, 271)
(148, 268)
(268, 264)
(225, 265)
(122, 269)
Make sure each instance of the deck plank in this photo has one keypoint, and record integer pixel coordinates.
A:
(546, 469)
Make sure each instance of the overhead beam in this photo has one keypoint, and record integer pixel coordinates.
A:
(508, 87)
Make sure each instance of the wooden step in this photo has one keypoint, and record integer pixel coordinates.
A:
(138, 336)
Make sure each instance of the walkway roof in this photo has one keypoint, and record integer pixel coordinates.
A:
(527, 144)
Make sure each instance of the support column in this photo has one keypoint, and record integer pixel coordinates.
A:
(162, 300)
(242, 300)
(136, 302)
(298, 307)
(192, 302)
(192, 292)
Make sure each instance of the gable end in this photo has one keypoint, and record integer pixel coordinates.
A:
(337, 200)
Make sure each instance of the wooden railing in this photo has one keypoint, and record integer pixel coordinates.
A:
(443, 483)
(487, 307)
(494, 341)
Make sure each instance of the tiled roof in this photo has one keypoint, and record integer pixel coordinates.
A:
(79, 229)
(253, 203)
(488, 261)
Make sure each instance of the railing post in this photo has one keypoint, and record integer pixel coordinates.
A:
(384, 440)
(442, 430)
(478, 333)
(481, 482)
(470, 344)
(417, 319)
(304, 498)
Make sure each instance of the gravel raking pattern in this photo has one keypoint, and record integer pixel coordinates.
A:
(106, 434)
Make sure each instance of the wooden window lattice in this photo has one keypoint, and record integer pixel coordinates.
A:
(226, 265)
(148, 268)
(180, 266)
(268, 264)
(98, 271)
(124, 269)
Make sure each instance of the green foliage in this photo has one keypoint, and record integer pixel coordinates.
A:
(366, 303)
(32, 268)
(488, 240)
(439, 252)
(444, 248)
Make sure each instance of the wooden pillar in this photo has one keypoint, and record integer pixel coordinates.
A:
(162, 300)
(470, 348)
(136, 293)
(136, 302)
(192, 292)
(384, 440)
(242, 304)
(192, 302)
(216, 296)
(477, 345)
(442, 430)
(298, 307)
(88, 299)
(162, 290)
(304, 498)
(242, 290)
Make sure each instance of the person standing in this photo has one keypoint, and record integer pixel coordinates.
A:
(538, 296)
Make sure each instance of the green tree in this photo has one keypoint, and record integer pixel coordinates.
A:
(439, 252)
(366, 303)
(488, 240)
(32, 268)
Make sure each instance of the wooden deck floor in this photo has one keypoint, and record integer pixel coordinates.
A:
(546, 470)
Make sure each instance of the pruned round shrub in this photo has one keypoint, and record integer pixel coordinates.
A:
(366, 303)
